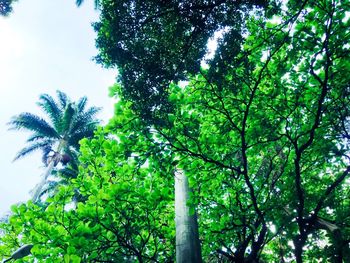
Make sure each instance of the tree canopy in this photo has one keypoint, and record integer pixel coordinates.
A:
(6, 7)
(155, 42)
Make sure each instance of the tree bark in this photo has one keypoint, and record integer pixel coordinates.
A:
(39, 187)
(188, 249)
(299, 243)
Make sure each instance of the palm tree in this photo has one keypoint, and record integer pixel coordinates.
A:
(57, 137)
(80, 2)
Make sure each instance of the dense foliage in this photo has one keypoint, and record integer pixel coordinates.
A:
(125, 208)
(263, 138)
(156, 42)
(6, 7)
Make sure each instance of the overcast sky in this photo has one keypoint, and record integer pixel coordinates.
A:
(44, 46)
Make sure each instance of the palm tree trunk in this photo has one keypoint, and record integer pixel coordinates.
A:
(39, 187)
(188, 249)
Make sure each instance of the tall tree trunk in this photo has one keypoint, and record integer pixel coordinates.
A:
(39, 187)
(299, 243)
(188, 249)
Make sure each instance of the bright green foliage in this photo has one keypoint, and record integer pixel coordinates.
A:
(267, 143)
(125, 207)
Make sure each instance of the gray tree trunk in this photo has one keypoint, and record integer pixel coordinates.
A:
(39, 187)
(188, 249)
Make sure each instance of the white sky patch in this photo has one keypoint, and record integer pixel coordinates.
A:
(11, 50)
(183, 83)
(265, 55)
(69, 206)
(11, 44)
(212, 46)
(346, 18)
(291, 244)
(44, 46)
(272, 228)
(276, 20)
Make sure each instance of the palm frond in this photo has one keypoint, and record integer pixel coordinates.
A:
(68, 172)
(81, 104)
(67, 118)
(79, 2)
(50, 107)
(30, 122)
(86, 131)
(89, 114)
(50, 188)
(83, 127)
(86, 118)
(31, 148)
(36, 137)
(40, 137)
(63, 99)
(96, 3)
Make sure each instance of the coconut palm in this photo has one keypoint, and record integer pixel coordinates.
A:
(57, 136)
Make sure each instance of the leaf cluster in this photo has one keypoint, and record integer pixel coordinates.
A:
(153, 43)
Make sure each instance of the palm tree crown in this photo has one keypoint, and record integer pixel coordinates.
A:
(58, 137)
